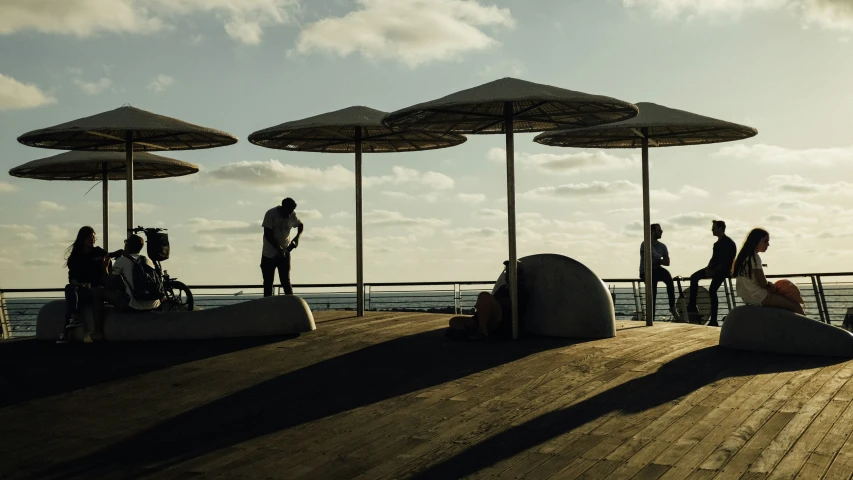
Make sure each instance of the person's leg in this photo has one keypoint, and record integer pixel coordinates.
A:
(72, 304)
(268, 272)
(778, 301)
(283, 264)
(715, 302)
(694, 289)
(463, 322)
(489, 313)
(99, 297)
(663, 275)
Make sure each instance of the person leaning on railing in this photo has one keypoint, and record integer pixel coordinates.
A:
(752, 285)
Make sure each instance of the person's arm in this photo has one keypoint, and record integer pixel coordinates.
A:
(761, 280)
(665, 258)
(295, 242)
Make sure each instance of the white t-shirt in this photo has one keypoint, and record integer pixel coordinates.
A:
(281, 227)
(123, 266)
(748, 288)
(658, 251)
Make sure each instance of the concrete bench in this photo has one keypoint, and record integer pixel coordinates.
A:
(767, 329)
(565, 299)
(277, 315)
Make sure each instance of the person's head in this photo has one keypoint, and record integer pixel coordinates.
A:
(134, 244)
(657, 231)
(85, 241)
(288, 206)
(718, 228)
(756, 241)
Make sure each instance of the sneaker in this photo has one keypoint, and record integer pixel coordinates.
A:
(73, 323)
(63, 338)
(87, 338)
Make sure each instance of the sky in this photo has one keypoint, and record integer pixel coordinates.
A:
(781, 66)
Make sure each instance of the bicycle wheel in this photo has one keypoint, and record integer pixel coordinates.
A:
(180, 296)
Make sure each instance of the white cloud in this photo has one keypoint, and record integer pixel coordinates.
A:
(93, 88)
(566, 163)
(471, 197)
(203, 225)
(58, 233)
(244, 203)
(414, 32)
(28, 236)
(597, 189)
(470, 232)
(773, 155)
(693, 219)
(212, 247)
(45, 206)
(828, 14)
(402, 175)
(335, 235)
(8, 187)
(160, 83)
(691, 191)
(489, 213)
(15, 95)
(309, 214)
(243, 20)
(663, 195)
(273, 175)
(41, 262)
(341, 215)
(384, 218)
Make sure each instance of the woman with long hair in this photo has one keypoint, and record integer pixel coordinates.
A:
(752, 285)
(88, 267)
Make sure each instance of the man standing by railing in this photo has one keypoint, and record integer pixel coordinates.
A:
(277, 224)
(718, 270)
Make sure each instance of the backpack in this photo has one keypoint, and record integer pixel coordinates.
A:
(147, 283)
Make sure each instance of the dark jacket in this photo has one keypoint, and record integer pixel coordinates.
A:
(87, 267)
(721, 262)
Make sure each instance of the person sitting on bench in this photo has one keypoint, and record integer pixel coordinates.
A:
(492, 313)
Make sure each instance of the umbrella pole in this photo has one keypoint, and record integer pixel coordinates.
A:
(647, 233)
(128, 160)
(359, 256)
(512, 268)
(105, 192)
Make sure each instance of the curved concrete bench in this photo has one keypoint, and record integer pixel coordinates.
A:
(565, 299)
(277, 315)
(766, 329)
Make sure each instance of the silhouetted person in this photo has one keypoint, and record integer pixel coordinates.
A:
(718, 270)
(492, 313)
(752, 285)
(277, 224)
(87, 270)
(660, 258)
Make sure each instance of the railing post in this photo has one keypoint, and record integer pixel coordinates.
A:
(823, 300)
(732, 290)
(817, 299)
(457, 298)
(367, 296)
(5, 326)
(637, 297)
(728, 292)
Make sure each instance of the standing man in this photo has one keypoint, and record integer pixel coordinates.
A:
(718, 270)
(660, 258)
(277, 224)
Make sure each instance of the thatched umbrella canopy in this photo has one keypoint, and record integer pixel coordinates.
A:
(351, 130)
(103, 167)
(655, 126)
(127, 129)
(506, 106)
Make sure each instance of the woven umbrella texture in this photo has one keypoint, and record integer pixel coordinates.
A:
(655, 126)
(110, 130)
(336, 132)
(127, 129)
(535, 108)
(351, 130)
(507, 106)
(90, 166)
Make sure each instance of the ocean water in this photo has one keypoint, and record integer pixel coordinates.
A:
(23, 311)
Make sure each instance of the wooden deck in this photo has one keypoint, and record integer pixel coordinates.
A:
(390, 397)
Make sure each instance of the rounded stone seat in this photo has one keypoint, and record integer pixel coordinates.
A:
(767, 329)
(276, 315)
(565, 299)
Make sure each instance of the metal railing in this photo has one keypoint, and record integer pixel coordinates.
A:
(828, 297)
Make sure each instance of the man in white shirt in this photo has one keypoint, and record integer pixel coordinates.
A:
(278, 222)
(123, 267)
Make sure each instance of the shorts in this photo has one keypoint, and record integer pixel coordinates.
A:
(755, 299)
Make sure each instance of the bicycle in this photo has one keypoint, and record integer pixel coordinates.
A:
(178, 295)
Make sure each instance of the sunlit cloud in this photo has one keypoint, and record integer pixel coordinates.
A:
(414, 32)
(15, 95)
